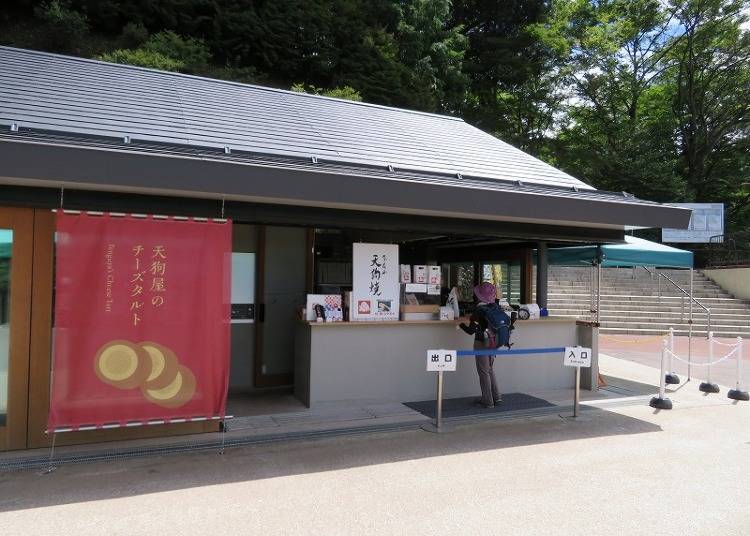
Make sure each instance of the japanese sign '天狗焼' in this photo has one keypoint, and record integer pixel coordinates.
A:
(375, 289)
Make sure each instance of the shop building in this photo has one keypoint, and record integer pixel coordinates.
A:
(303, 178)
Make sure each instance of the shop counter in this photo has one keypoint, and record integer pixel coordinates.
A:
(386, 361)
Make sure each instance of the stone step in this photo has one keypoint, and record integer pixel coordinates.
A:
(682, 331)
(636, 296)
(666, 325)
(635, 328)
(715, 317)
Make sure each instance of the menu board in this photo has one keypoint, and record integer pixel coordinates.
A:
(375, 290)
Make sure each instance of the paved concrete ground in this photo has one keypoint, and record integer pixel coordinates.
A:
(623, 470)
(647, 351)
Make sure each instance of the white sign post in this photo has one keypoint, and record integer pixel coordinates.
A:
(440, 361)
(577, 356)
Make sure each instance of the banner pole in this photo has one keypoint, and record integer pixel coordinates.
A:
(51, 468)
(577, 394)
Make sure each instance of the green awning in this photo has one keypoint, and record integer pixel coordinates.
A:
(635, 252)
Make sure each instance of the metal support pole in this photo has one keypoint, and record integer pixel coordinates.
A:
(439, 401)
(737, 393)
(690, 329)
(577, 394)
(541, 274)
(598, 292)
(591, 288)
(708, 386)
(662, 402)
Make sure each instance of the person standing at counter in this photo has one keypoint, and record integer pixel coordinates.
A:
(486, 293)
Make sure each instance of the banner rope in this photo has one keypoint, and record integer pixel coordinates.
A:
(694, 363)
(520, 351)
(734, 344)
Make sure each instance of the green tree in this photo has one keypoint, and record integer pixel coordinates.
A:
(619, 126)
(64, 29)
(345, 93)
(167, 51)
(711, 105)
(433, 50)
(505, 62)
(142, 58)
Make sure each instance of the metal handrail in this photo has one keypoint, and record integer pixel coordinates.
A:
(691, 297)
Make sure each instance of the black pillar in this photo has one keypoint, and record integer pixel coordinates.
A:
(541, 274)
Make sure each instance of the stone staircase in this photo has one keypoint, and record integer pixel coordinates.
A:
(631, 302)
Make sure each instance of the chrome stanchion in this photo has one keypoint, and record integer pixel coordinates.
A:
(439, 401)
(708, 386)
(662, 402)
(737, 393)
(690, 329)
(671, 377)
(577, 394)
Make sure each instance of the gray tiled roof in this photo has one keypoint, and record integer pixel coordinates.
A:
(78, 96)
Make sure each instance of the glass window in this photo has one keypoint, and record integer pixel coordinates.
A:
(6, 243)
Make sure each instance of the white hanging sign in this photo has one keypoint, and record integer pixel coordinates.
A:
(375, 282)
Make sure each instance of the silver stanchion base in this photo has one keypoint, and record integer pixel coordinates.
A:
(736, 394)
(431, 427)
(707, 387)
(660, 403)
(671, 379)
(576, 418)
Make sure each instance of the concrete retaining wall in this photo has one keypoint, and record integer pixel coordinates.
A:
(734, 280)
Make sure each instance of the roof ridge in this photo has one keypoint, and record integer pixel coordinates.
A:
(227, 82)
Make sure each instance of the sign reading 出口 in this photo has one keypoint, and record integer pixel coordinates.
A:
(141, 321)
(441, 360)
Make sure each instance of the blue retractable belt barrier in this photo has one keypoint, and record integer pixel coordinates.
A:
(520, 351)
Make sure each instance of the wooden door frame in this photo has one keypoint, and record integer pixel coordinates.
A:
(21, 222)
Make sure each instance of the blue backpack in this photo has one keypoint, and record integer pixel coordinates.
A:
(499, 325)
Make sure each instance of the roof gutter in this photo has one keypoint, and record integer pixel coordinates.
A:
(26, 163)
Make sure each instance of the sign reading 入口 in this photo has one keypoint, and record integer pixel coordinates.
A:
(441, 360)
(577, 356)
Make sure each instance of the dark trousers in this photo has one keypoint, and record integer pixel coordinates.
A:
(486, 371)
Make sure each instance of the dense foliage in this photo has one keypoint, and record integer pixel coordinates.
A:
(646, 96)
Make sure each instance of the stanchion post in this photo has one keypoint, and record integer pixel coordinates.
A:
(708, 386)
(690, 329)
(661, 401)
(577, 394)
(439, 401)
(671, 377)
(737, 393)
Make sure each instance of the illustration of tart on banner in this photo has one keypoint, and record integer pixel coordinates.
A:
(152, 367)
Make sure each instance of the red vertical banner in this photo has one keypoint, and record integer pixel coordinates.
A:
(142, 311)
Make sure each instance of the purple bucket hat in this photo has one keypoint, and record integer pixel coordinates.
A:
(486, 292)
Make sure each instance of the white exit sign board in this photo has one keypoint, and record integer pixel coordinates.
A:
(577, 356)
(441, 360)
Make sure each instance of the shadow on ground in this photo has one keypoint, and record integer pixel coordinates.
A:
(75, 483)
